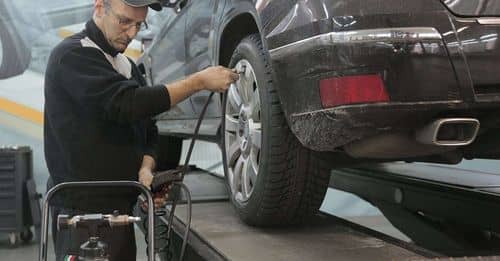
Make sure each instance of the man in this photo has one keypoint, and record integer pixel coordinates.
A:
(98, 119)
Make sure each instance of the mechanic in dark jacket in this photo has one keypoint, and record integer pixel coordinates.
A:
(98, 119)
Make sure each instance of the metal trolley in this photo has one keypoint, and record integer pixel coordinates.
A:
(132, 184)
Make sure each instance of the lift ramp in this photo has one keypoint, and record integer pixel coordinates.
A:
(218, 234)
(444, 209)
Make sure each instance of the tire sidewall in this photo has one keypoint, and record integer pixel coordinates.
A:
(4, 34)
(249, 50)
(16, 55)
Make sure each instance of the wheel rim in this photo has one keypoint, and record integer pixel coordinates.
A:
(243, 133)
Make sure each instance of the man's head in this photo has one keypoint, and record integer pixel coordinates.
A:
(120, 20)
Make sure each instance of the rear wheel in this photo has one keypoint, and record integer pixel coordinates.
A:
(273, 179)
(14, 54)
(1, 51)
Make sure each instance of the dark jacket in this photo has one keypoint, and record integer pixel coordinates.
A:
(97, 116)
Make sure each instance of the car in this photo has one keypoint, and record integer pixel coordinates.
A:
(23, 22)
(326, 84)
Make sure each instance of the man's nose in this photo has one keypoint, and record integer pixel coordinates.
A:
(132, 32)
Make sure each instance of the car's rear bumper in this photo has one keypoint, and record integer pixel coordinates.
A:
(413, 61)
(329, 129)
(428, 71)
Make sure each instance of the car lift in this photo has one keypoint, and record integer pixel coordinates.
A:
(442, 219)
(448, 214)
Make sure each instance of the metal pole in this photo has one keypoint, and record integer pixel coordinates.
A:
(44, 235)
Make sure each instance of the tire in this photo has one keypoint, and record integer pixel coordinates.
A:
(13, 240)
(26, 235)
(169, 152)
(290, 181)
(15, 56)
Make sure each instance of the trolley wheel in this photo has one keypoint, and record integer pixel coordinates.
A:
(26, 235)
(13, 239)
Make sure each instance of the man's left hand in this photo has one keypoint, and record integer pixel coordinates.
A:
(159, 198)
(146, 177)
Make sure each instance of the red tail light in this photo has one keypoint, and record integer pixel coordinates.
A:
(352, 89)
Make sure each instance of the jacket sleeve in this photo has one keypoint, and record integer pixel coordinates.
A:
(151, 145)
(93, 83)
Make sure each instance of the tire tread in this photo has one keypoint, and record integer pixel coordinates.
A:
(296, 179)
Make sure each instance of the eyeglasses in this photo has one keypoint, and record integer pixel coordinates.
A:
(127, 23)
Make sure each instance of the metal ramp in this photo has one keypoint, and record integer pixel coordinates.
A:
(447, 210)
(218, 234)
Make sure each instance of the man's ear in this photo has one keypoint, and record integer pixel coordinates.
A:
(99, 8)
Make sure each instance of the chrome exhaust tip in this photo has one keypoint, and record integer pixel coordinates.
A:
(449, 132)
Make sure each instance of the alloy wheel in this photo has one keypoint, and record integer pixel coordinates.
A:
(243, 133)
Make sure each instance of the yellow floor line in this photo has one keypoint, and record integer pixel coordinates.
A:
(21, 111)
(20, 126)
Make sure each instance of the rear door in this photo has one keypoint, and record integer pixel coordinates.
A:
(200, 40)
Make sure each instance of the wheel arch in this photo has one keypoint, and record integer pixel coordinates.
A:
(234, 31)
(236, 28)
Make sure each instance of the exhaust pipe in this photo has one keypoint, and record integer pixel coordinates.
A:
(449, 132)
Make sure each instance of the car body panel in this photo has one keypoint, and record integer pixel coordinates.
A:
(200, 51)
(478, 48)
(474, 7)
(167, 59)
(423, 52)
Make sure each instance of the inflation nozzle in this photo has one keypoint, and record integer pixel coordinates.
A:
(240, 69)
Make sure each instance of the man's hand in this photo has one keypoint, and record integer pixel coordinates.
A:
(145, 174)
(146, 178)
(217, 78)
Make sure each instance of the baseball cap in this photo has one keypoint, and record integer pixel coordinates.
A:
(154, 4)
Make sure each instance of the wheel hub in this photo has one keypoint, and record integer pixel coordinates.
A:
(243, 134)
(244, 131)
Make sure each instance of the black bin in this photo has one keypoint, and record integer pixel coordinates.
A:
(16, 171)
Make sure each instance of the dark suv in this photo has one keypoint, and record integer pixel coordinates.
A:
(22, 22)
(330, 83)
